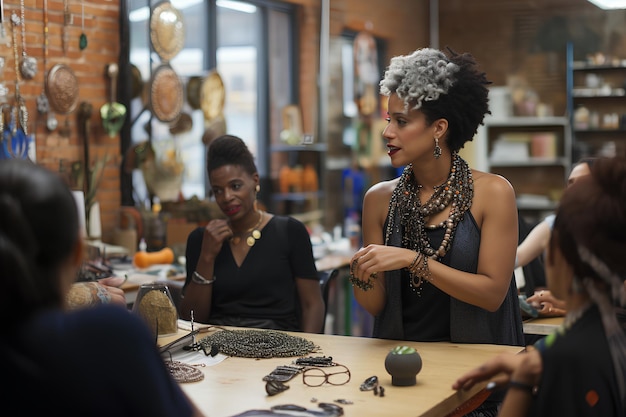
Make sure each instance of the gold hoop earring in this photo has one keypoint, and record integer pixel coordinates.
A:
(437, 151)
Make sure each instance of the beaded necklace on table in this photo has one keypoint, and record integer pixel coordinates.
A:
(457, 192)
(257, 343)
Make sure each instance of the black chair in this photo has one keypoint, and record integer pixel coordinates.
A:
(326, 278)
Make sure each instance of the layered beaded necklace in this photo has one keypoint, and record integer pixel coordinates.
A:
(457, 192)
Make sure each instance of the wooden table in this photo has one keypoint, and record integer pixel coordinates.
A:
(542, 325)
(235, 385)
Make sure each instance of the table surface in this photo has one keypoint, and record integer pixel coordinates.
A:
(542, 325)
(235, 385)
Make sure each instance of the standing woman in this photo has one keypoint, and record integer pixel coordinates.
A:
(251, 269)
(440, 240)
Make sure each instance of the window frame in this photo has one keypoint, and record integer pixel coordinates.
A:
(210, 62)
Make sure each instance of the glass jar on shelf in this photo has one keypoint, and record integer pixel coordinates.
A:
(581, 117)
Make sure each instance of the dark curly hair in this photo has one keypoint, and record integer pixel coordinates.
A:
(442, 87)
(230, 150)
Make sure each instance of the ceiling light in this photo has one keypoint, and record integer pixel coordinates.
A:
(143, 13)
(237, 6)
(609, 4)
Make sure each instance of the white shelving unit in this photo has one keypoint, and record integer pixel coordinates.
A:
(533, 153)
(601, 90)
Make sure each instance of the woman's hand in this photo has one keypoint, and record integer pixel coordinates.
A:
(215, 233)
(379, 258)
(86, 294)
(546, 304)
(111, 285)
(522, 368)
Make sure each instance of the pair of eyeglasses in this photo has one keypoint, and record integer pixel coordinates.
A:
(315, 377)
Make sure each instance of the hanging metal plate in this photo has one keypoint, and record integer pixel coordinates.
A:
(62, 89)
(166, 94)
(167, 30)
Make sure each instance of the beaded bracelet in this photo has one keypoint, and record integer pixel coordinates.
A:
(414, 261)
(363, 285)
(418, 270)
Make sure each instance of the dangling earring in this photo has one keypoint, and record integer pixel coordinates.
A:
(437, 151)
(258, 188)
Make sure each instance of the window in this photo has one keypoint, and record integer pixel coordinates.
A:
(250, 45)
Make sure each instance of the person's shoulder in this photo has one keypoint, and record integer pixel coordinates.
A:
(290, 221)
(94, 329)
(196, 232)
(195, 235)
(107, 319)
(492, 184)
(382, 188)
(102, 315)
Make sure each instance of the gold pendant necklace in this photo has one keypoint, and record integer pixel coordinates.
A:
(255, 233)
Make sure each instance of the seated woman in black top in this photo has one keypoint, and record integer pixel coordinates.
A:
(253, 268)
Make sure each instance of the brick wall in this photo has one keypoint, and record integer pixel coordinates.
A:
(54, 149)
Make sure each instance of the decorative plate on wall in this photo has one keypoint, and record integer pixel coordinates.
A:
(137, 81)
(212, 96)
(62, 89)
(167, 30)
(166, 94)
(194, 86)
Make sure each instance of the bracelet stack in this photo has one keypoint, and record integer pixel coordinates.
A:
(418, 270)
(199, 279)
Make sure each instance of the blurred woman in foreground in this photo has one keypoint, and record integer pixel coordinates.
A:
(580, 370)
